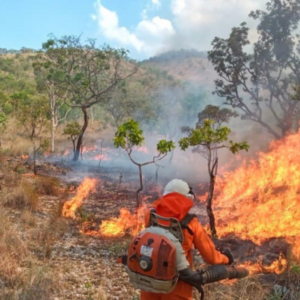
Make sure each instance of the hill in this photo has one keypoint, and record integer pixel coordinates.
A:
(185, 65)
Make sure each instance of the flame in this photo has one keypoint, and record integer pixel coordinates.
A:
(24, 156)
(278, 266)
(83, 190)
(126, 222)
(89, 149)
(66, 152)
(260, 200)
(102, 157)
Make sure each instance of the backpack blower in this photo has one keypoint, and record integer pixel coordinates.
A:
(156, 260)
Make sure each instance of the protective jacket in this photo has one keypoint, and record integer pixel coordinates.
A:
(175, 205)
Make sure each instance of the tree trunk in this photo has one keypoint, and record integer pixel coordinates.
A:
(141, 187)
(80, 137)
(212, 166)
(52, 132)
(52, 103)
(209, 205)
(92, 116)
(171, 156)
(34, 158)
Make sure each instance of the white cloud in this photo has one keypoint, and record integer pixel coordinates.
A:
(109, 25)
(157, 27)
(146, 37)
(178, 6)
(192, 24)
(156, 3)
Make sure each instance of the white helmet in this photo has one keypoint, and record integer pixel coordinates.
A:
(179, 186)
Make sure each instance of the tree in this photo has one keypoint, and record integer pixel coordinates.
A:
(259, 83)
(129, 100)
(129, 135)
(207, 140)
(73, 129)
(15, 82)
(33, 116)
(89, 74)
(3, 122)
(219, 115)
(48, 76)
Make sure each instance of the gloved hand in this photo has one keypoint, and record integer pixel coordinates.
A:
(228, 253)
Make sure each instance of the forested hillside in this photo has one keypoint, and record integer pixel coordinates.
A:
(146, 96)
(188, 66)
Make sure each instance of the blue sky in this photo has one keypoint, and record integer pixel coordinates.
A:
(144, 27)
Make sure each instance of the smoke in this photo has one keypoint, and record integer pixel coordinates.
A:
(169, 25)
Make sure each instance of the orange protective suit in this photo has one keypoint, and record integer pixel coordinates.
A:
(177, 206)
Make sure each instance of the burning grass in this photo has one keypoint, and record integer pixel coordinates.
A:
(261, 200)
(84, 189)
(125, 223)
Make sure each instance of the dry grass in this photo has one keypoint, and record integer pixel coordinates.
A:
(23, 196)
(46, 185)
(39, 285)
(44, 237)
(255, 288)
(101, 295)
(28, 218)
(24, 193)
(13, 252)
(247, 289)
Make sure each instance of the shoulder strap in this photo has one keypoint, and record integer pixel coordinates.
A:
(185, 221)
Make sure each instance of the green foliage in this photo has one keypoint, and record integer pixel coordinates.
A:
(33, 114)
(128, 135)
(83, 68)
(206, 135)
(295, 268)
(261, 79)
(235, 147)
(44, 145)
(3, 120)
(164, 146)
(211, 138)
(219, 115)
(72, 129)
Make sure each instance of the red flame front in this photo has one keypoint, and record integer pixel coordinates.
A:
(261, 200)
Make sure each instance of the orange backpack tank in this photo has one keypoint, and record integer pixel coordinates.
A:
(155, 256)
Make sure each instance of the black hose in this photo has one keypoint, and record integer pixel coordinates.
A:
(220, 272)
(211, 274)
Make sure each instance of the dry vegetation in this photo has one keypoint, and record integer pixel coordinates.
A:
(44, 257)
(24, 240)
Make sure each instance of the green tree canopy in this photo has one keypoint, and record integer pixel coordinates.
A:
(258, 83)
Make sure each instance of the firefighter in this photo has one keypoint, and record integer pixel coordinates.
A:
(176, 203)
